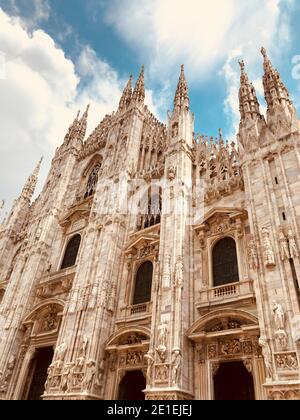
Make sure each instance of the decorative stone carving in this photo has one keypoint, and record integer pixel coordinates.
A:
(267, 355)
(50, 322)
(248, 365)
(215, 368)
(161, 373)
(134, 358)
(179, 273)
(212, 351)
(100, 374)
(60, 354)
(230, 347)
(166, 280)
(279, 322)
(5, 377)
(162, 341)
(89, 375)
(176, 366)
(292, 244)
(286, 361)
(293, 394)
(149, 357)
(283, 245)
(269, 257)
(252, 254)
(200, 351)
(171, 173)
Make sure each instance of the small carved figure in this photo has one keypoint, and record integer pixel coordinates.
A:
(268, 251)
(176, 366)
(284, 249)
(292, 244)
(149, 357)
(267, 355)
(89, 375)
(279, 316)
(252, 254)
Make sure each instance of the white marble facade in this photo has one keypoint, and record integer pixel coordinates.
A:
(207, 194)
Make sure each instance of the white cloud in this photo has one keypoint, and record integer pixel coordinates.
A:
(40, 95)
(203, 35)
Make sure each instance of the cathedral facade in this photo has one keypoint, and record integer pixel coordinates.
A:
(158, 264)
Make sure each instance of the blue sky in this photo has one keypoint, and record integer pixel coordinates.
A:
(61, 55)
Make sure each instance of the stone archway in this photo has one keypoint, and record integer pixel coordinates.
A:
(125, 354)
(227, 336)
(131, 386)
(41, 327)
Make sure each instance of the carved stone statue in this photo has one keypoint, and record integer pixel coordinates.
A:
(279, 321)
(267, 355)
(176, 366)
(179, 272)
(60, 353)
(252, 254)
(284, 249)
(90, 372)
(292, 244)
(279, 316)
(167, 272)
(149, 357)
(268, 250)
(162, 341)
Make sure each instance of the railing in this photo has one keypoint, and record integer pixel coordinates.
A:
(143, 309)
(228, 292)
(138, 309)
(225, 291)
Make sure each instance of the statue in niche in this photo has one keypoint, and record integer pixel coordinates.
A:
(60, 354)
(89, 375)
(279, 321)
(268, 251)
(149, 357)
(267, 355)
(279, 316)
(252, 254)
(162, 341)
(283, 244)
(179, 273)
(167, 271)
(292, 244)
(176, 366)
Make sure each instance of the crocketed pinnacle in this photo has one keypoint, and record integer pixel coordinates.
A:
(249, 104)
(181, 100)
(83, 124)
(139, 90)
(275, 90)
(31, 182)
(126, 96)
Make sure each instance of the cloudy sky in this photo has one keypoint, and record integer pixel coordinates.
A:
(58, 56)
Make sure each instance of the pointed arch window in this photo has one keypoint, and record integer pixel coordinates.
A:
(93, 181)
(151, 209)
(71, 252)
(143, 283)
(225, 265)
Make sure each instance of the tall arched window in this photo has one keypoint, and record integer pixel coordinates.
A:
(225, 266)
(151, 208)
(71, 252)
(143, 283)
(93, 181)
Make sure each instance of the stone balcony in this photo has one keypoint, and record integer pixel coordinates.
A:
(134, 313)
(56, 283)
(227, 294)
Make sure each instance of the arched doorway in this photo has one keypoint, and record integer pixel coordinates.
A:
(38, 372)
(233, 382)
(132, 386)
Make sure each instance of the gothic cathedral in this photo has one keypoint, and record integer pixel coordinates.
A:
(158, 264)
